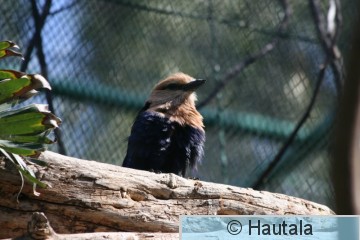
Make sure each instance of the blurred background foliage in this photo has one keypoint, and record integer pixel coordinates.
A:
(104, 56)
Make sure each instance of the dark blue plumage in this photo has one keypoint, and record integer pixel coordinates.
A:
(158, 144)
(167, 135)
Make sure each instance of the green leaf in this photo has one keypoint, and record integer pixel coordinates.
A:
(10, 74)
(24, 131)
(26, 109)
(9, 88)
(33, 120)
(25, 149)
(28, 173)
(23, 87)
(8, 52)
(27, 123)
(40, 138)
(8, 44)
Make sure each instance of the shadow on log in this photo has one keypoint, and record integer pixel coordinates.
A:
(88, 196)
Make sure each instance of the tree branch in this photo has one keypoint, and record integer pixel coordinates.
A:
(234, 71)
(89, 196)
(39, 228)
(328, 37)
(329, 44)
(36, 41)
(39, 21)
(264, 176)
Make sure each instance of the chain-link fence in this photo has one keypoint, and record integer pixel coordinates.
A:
(262, 61)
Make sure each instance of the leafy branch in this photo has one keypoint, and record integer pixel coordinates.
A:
(24, 131)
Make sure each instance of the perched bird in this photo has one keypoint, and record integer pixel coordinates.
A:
(168, 133)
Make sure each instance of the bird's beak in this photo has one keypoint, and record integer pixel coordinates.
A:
(192, 86)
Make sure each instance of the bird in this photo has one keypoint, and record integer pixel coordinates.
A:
(168, 133)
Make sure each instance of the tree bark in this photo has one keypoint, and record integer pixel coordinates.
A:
(88, 196)
(39, 228)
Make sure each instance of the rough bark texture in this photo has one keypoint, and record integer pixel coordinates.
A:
(88, 196)
(39, 228)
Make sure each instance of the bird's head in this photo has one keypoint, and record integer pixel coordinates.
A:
(175, 90)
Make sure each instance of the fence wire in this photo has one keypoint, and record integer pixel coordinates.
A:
(261, 60)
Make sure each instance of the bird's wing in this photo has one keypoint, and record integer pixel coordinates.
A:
(197, 142)
(148, 141)
(189, 149)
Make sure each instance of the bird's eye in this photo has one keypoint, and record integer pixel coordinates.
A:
(173, 86)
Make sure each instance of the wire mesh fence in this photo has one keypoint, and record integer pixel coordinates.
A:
(261, 60)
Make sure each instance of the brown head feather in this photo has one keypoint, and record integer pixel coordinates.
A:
(176, 104)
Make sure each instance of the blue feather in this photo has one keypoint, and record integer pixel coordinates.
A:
(158, 144)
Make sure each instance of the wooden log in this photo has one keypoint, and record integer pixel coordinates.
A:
(39, 228)
(89, 196)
